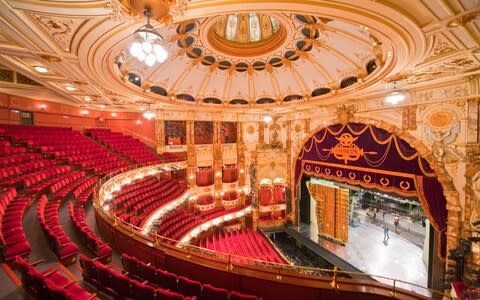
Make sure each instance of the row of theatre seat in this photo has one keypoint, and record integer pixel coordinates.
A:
(50, 284)
(12, 236)
(135, 205)
(66, 144)
(64, 248)
(124, 144)
(246, 243)
(184, 285)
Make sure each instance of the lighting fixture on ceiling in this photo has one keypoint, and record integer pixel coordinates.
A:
(40, 69)
(396, 96)
(149, 114)
(70, 88)
(267, 118)
(114, 114)
(87, 98)
(147, 44)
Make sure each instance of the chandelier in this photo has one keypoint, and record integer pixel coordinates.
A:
(149, 114)
(147, 46)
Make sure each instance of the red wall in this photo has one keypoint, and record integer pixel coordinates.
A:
(62, 115)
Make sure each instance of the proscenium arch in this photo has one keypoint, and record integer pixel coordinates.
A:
(453, 207)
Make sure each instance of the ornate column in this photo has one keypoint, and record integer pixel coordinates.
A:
(191, 157)
(217, 162)
(290, 181)
(160, 134)
(261, 133)
(241, 160)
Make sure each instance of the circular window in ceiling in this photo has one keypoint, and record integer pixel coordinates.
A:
(196, 52)
(292, 98)
(241, 67)
(291, 55)
(304, 46)
(186, 97)
(348, 82)
(305, 19)
(371, 66)
(158, 90)
(312, 34)
(135, 79)
(224, 65)
(185, 28)
(276, 62)
(259, 65)
(239, 102)
(265, 101)
(320, 91)
(212, 100)
(208, 60)
(186, 42)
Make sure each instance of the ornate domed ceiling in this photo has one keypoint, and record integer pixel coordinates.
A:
(256, 59)
(240, 56)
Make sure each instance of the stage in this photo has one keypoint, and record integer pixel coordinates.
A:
(367, 252)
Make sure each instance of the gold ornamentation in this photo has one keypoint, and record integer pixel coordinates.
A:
(60, 29)
(352, 175)
(404, 185)
(345, 113)
(367, 178)
(384, 181)
(339, 173)
(346, 150)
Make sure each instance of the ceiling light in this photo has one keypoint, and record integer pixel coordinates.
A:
(102, 106)
(114, 114)
(43, 106)
(87, 98)
(267, 118)
(147, 43)
(85, 112)
(70, 88)
(395, 97)
(149, 115)
(139, 122)
(40, 69)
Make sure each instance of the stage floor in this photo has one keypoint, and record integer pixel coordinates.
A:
(397, 258)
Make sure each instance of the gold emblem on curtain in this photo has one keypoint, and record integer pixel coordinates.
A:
(346, 150)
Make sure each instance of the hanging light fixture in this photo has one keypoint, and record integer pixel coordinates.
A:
(149, 114)
(147, 45)
(396, 96)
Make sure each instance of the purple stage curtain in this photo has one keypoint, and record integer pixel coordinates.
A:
(388, 162)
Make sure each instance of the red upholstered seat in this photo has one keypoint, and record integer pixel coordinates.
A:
(168, 295)
(122, 284)
(234, 295)
(144, 292)
(167, 280)
(189, 287)
(212, 293)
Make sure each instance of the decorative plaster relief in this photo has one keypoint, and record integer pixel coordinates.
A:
(204, 155)
(60, 29)
(457, 91)
(229, 154)
(442, 126)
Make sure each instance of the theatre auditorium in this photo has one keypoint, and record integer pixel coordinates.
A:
(239, 150)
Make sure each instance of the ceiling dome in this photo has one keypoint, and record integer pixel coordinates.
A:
(246, 28)
(245, 34)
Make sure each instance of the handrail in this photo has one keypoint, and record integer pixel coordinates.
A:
(159, 241)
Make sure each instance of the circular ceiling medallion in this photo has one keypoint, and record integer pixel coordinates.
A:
(246, 34)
